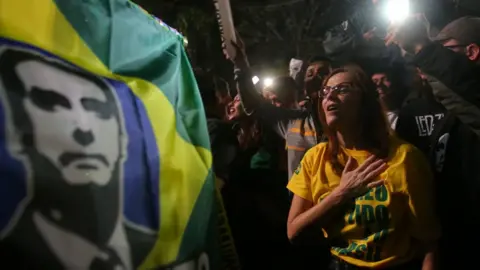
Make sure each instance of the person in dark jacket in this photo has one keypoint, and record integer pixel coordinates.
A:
(419, 115)
(452, 67)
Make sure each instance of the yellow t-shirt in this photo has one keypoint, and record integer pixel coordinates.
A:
(385, 226)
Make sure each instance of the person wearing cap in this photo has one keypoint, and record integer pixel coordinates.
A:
(462, 36)
(419, 114)
(451, 63)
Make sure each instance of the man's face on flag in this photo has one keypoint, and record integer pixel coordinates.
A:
(74, 123)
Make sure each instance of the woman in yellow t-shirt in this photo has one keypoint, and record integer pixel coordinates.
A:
(370, 192)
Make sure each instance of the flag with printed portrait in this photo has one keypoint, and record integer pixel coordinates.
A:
(105, 160)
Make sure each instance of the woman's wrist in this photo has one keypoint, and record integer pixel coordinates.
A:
(339, 194)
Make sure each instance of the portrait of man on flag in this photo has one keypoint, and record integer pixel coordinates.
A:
(67, 128)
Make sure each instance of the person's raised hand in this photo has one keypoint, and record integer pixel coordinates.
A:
(410, 35)
(356, 180)
(369, 35)
(240, 59)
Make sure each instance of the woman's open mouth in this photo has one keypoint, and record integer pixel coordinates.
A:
(332, 107)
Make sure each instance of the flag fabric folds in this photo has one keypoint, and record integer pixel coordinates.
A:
(104, 151)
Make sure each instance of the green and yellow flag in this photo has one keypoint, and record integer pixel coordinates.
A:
(104, 151)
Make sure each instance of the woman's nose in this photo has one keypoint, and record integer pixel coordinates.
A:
(330, 95)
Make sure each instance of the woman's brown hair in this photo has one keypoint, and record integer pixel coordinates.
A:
(249, 129)
(375, 131)
(250, 133)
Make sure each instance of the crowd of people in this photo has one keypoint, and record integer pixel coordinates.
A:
(380, 162)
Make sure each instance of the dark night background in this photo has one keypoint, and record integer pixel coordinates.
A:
(273, 30)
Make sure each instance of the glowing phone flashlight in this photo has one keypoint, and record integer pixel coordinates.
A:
(397, 10)
(267, 82)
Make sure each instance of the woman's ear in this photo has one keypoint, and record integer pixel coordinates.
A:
(473, 52)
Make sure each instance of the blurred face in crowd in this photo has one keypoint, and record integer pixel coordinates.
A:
(284, 100)
(384, 89)
(314, 76)
(340, 100)
(282, 92)
(234, 109)
(270, 95)
(472, 51)
(383, 84)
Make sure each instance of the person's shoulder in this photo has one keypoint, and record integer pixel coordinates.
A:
(415, 106)
(419, 101)
(213, 123)
(402, 149)
(219, 129)
(316, 152)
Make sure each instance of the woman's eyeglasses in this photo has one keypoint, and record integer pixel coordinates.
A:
(337, 90)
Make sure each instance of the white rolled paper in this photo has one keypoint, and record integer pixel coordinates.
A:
(227, 29)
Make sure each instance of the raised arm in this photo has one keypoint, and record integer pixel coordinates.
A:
(253, 103)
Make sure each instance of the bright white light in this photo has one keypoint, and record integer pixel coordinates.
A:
(267, 82)
(255, 79)
(397, 10)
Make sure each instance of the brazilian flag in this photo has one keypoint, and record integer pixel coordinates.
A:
(104, 151)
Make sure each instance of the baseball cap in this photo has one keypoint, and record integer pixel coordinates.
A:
(465, 30)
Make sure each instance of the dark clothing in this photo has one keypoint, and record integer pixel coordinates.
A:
(270, 151)
(224, 145)
(456, 85)
(262, 208)
(27, 247)
(17, 249)
(337, 264)
(417, 120)
(467, 7)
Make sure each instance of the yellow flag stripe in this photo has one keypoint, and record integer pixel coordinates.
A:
(182, 165)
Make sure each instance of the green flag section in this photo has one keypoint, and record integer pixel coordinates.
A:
(104, 150)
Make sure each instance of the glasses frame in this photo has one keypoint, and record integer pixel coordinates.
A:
(336, 90)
